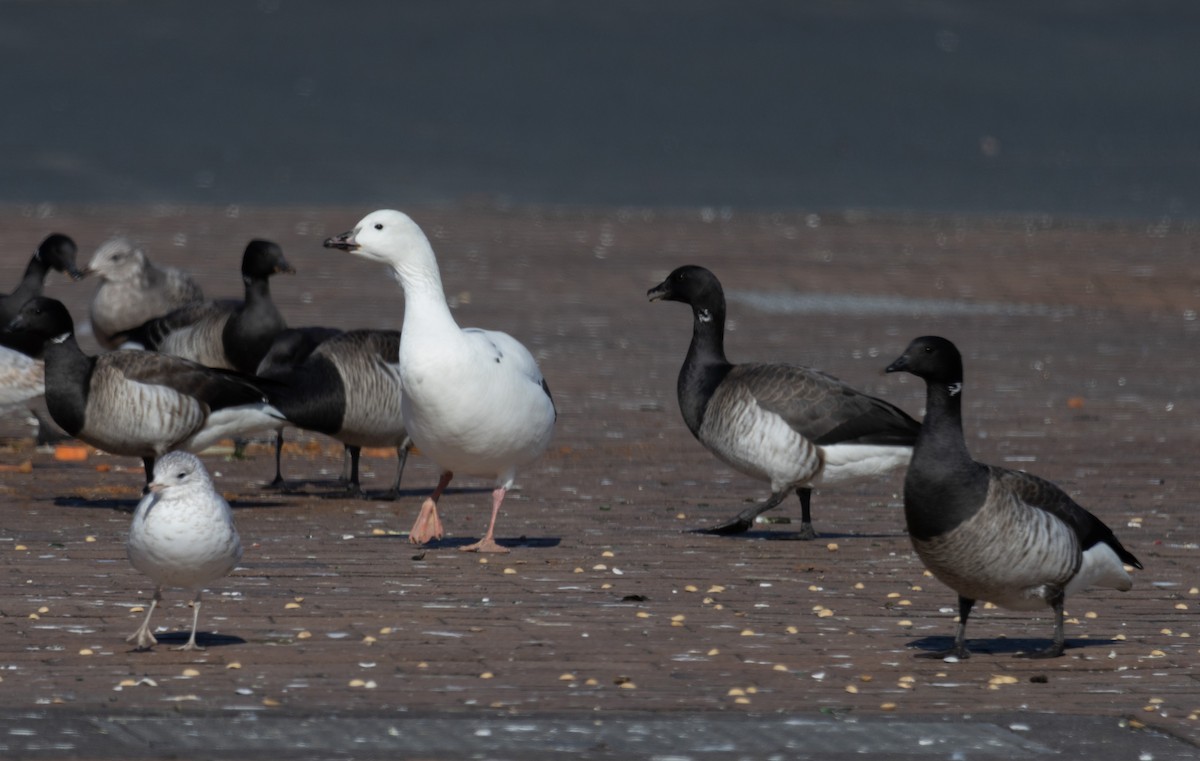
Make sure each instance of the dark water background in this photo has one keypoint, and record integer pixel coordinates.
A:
(1083, 108)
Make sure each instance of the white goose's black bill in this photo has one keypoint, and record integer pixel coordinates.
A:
(344, 242)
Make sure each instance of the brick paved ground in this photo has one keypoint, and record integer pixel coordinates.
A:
(1080, 341)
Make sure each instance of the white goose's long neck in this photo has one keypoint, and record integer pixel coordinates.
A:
(425, 310)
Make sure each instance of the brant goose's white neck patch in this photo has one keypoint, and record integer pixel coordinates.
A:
(955, 388)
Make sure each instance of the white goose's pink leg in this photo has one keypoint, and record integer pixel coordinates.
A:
(488, 542)
(428, 525)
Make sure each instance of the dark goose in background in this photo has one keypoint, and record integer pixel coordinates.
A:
(139, 403)
(57, 252)
(228, 334)
(791, 426)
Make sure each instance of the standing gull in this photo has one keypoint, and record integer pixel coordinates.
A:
(792, 426)
(475, 401)
(182, 536)
(990, 533)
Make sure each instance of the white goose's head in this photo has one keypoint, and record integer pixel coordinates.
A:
(386, 236)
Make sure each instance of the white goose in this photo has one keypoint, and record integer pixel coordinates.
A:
(474, 400)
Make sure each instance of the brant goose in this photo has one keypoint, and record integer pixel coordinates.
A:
(791, 426)
(990, 533)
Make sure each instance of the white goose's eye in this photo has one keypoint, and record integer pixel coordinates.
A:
(378, 225)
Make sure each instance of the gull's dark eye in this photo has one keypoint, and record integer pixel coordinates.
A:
(181, 475)
(378, 225)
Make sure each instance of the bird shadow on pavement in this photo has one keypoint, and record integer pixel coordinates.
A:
(334, 489)
(203, 639)
(106, 503)
(1004, 645)
(784, 535)
(524, 542)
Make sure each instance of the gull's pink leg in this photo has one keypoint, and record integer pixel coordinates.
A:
(191, 643)
(143, 638)
(428, 525)
(488, 542)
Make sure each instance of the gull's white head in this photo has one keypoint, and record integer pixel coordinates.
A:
(386, 236)
(117, 259)
(178, 471)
